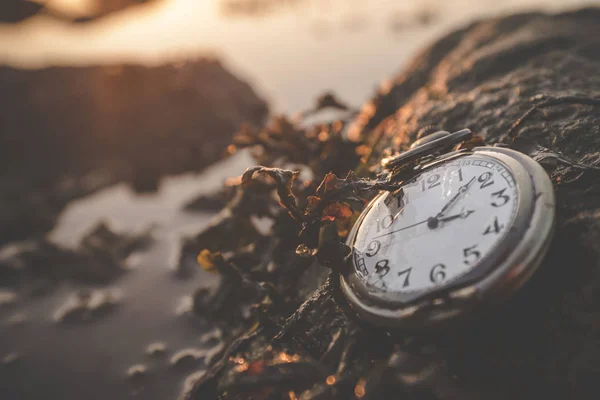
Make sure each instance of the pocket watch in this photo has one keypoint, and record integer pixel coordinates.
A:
(465, 230)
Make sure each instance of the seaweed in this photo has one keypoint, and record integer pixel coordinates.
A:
(321, 148)
(502, 356)
(259, 272)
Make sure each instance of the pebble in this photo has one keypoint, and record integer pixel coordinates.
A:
(156, 349)
(185, 306)
(211, 338)
(213, 351)
(191, 379)
(188, 358)
(87, 304)
(17, 319)
(11, 358)
(7, 298)
(137, 371)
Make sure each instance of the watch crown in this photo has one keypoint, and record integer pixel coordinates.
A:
(429, 138)
(440, 141)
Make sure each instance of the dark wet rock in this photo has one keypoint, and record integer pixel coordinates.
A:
(17, 319)
(17, 10)
(156, 349)
(11, 358)
(330, 100)
(102, 9)
(190, 381)
(255, 8)
(12, 11)
(190, 358)
(137, 372)
(213, 352)
(426, 16)
(222, 301)
(211, 338)
(7, 298)
(399, 21)
(540, 344)
(211, 202)
(86, 305)
(36, 266)
(185, 305)
(68, 131)
(102, 239)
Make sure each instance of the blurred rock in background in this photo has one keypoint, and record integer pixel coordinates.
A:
(12, 11)
(67, 131)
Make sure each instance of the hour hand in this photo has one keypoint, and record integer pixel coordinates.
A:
(463, 214)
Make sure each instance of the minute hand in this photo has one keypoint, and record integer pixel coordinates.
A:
(450, 203)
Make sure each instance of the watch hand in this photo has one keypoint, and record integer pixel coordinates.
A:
(461, 190)
(434, 222)
(463, 214)
(401, 229)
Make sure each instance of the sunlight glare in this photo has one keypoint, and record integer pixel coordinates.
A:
(71, 7)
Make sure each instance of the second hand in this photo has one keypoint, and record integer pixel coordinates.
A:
(401, 229)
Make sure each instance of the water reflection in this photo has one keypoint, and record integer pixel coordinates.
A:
(258, 8)
(291, 50)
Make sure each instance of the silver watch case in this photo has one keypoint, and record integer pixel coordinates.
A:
(497, 276)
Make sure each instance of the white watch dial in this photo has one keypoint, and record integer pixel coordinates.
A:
(438, 227)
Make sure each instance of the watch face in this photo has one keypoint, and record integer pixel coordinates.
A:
(438, 227)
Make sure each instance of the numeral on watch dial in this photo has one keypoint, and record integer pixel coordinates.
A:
(471, 255)
(437, 273)
(472, 198)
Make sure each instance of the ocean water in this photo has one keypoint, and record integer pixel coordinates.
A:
(290, 50)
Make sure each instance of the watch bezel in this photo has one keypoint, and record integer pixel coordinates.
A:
(501, 272)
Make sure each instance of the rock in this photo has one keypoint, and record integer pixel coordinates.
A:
(189, 382)
(86, 305)
(210, 202)
(11, 358)
(485, 77)
(7, 298)
(17, 319)
(188, 358)
(185, 306)
(101, 256)
(68, 131)
(540, 344)
(12, 11)
(156, 349)
(137, 372)
(211, 338)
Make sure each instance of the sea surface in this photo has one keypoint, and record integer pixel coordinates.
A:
(290, 50)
